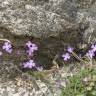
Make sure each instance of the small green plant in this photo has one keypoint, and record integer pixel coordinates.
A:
(81, 84)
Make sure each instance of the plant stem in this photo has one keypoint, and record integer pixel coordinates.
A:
(5, 40)
(78, 58)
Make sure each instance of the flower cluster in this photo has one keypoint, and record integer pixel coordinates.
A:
(31, 48)
(91, 52)
(67, 56)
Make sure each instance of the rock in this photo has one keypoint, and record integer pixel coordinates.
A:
(49, 18)
(55, 23)
(35, 17)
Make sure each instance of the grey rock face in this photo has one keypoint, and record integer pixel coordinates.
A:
(49, 17)
(37, 17)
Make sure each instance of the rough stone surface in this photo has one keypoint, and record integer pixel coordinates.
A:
(49, 17)
(51, 85)
(36, 17)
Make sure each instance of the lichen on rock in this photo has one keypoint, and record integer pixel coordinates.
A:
(49, 17)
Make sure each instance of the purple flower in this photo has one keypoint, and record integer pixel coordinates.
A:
(90, 53)
(29, 44)
(34, 47)
(70, 49)
(29, 64)
(66, 56)
(7, 47)
(31, 48)
(30, 52)
(93, 47)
